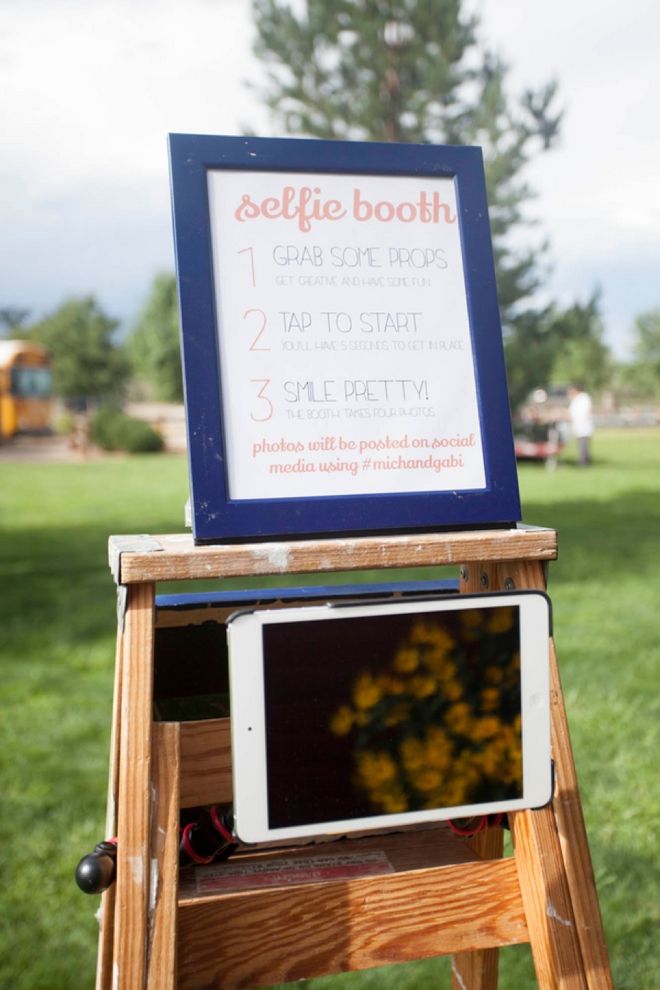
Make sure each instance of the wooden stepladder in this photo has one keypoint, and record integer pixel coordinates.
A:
(445, 896)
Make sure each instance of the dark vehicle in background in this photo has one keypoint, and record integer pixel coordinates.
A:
(539, 427)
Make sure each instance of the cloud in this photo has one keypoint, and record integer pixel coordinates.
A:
(598, 194)
(89, 90)
(100, 83)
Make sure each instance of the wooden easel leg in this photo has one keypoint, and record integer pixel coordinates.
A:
(479, 970)
(552, 851)
(567, 809)
(547, 902)
(107, 915)
(575, 846)
(134, 799)
(161, 966)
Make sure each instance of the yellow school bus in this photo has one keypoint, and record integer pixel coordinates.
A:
(25, 388)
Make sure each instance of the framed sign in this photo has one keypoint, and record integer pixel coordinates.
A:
(342, 349)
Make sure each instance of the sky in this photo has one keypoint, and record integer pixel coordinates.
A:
(89, 90)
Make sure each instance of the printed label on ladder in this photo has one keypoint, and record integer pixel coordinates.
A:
(232, 876)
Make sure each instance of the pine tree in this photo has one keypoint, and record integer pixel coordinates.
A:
(413, 71)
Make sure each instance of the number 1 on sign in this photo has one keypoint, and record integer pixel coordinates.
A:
(250, 252)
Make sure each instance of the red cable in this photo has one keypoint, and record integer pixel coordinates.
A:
(220, 826)
(188, 849)
(468, 830)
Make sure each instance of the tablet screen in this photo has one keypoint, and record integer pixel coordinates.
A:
(391, 714)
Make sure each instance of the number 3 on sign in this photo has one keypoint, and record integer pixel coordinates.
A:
(267, 405)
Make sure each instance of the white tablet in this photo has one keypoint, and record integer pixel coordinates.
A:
(350, 717)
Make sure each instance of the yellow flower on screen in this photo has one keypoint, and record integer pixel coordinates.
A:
(406, 660)
(430, 633)
(412, 753)
(366, 692)
(426, 779)
(458, 717)
(500, 620)
(391, 801)
(390, 685)
(453, 794)
(466, 769)
(485, 728)
(422, 687)
(438, 662)
(376, 768)
(438, 749)
(446, 671)
(490, 698)
(489, 760)
(341, 722)
(452, 690)
(512, 771)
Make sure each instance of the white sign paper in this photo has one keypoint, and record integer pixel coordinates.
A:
(344, 338)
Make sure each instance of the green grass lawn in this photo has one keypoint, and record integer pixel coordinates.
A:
(57, 640)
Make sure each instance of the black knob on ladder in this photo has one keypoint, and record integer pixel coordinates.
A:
(96, 871)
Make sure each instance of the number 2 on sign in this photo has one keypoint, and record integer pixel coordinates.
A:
(260, 331)
(250, 252)
(267, 407)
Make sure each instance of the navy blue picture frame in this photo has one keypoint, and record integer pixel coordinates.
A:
(215, 516)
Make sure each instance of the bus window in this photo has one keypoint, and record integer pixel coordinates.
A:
(31, 382)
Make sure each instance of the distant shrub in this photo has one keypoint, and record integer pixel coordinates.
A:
(111, 429)
(63, 424)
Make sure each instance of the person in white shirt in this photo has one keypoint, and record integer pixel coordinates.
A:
(580, 411)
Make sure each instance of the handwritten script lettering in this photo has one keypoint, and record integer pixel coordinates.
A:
(306, 205)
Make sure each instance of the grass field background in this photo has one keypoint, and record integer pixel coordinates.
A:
(57, 638)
